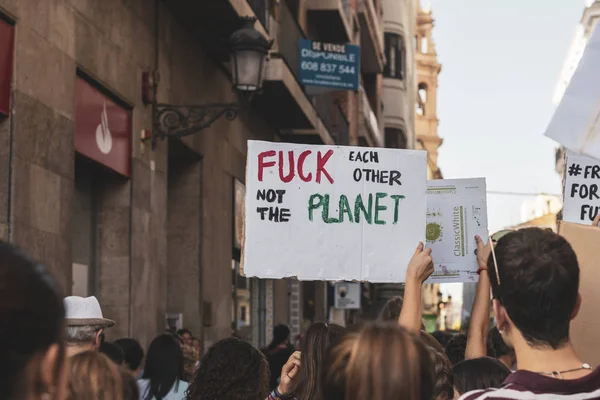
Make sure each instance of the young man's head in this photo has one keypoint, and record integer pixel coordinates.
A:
(186, 335)
(537, 293)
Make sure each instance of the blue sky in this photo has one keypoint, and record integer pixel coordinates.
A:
(501, 60)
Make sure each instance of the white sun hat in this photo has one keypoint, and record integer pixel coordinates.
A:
(81, 311)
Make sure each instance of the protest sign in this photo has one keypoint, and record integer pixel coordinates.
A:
(456, 212)
(576, 121)
(332, 213)
(585, 327)
(582, 195)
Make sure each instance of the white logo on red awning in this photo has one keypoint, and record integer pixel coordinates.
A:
(103, 135)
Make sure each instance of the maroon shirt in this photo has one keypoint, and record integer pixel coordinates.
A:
(526, 385)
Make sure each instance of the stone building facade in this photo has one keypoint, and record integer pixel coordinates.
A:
(151, 233)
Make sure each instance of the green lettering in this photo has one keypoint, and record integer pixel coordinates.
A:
(312, 205)
(358, 206)
(378, 208)
(326, 218)
(345, 208)
(397, 198)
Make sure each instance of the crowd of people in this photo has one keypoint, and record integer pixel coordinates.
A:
(54, 348)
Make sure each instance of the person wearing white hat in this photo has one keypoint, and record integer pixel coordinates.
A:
(84, 323)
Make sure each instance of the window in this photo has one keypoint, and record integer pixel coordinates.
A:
(395, 54)
(243, 312)
(424, 45)
(395, 138)
(421, 99)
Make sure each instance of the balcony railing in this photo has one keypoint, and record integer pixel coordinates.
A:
(331, 113)
(261, 9)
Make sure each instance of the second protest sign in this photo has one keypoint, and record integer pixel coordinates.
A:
(332, 213)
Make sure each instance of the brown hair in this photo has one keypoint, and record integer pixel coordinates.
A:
(93, 376)
(131, 391)
(443, 388)
(317, 340)
(380, 362)
(391, 309)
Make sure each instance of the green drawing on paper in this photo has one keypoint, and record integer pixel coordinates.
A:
(433, 232)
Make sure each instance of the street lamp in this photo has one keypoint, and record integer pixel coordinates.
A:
(248, 54)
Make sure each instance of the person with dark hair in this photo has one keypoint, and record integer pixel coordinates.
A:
(443, 337)
(534, 276)
(477, 374)
(113, 352)
(133, 355)
(131, 391)
(163, 374)
(382, 361)
(442, 369)
(186, 335)
(231, 369)
(318, 339)
(456, 347)
(278, 352)
(502, 352)
(32, 346)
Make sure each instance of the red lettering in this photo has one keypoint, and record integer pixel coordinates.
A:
(290, 175)
(262, 164)
(301, 159)
(321, 160)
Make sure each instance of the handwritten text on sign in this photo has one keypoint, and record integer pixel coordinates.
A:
(325, 212)
(582, 189)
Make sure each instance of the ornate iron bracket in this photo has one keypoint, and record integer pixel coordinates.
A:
(179, 121)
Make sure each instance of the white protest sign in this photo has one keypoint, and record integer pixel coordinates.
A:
(332, 213)
(576, 121)
(582, 195)
(456, 212)
(347, 295)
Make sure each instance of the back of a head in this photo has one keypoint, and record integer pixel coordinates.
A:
(391, 309)
(443, 388)
(93, 376)
(231, 369)
(132, 352)
(478, 374)
(317, 340)
(113, 352)
(456, 347)
(539, 284)
(379, 362)
(164, 366)
(32, 315)
(281, 333)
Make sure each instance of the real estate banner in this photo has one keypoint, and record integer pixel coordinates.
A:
(332, 213)
(456, 212)
(581, 197)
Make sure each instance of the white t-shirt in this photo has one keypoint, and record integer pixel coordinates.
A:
(177, 392)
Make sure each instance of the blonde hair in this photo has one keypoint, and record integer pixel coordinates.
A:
(93, 376)
(380, 362)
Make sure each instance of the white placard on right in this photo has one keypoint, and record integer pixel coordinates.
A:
(582, 196)
(456, 212)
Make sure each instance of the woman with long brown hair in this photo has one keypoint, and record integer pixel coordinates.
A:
(380, 362)
(317, 340)
(93, 376)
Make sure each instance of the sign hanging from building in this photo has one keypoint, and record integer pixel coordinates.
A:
(332, 213)
(102, 128)
(334, 66)
(582, 189)
(347, 295)
(7, 42)
(456, 212)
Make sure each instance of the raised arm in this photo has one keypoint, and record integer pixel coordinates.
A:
(419, 269)
(480, 315)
